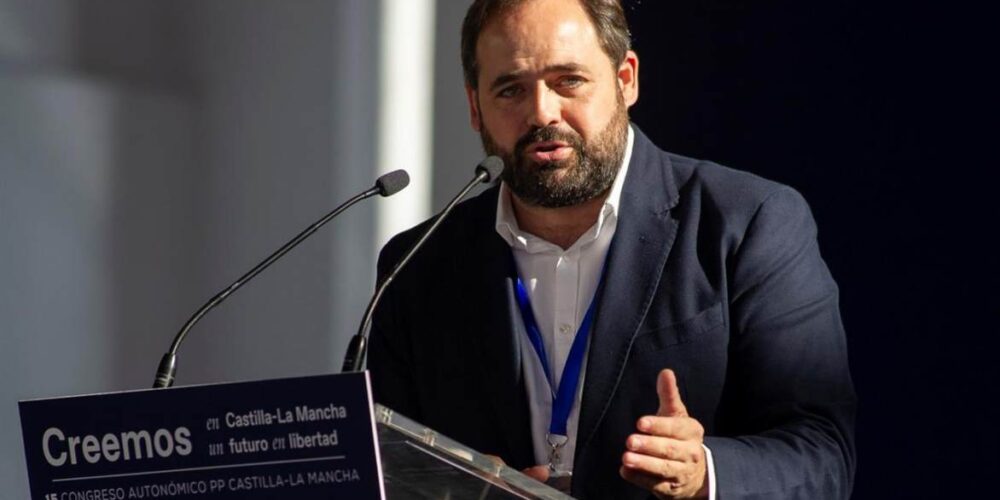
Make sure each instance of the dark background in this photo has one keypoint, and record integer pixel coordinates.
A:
(880, 114)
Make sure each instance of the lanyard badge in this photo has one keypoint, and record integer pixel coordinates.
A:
(565, 397)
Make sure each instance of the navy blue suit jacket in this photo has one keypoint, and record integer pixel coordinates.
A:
(712, 272)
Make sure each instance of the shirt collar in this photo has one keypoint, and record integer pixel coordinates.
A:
(506, 222)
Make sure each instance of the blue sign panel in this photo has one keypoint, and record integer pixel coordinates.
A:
(304, 438)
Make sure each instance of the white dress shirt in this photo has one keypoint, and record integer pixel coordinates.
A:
(561, 285)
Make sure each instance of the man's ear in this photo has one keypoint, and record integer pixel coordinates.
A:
(474, 117)
(628, 78)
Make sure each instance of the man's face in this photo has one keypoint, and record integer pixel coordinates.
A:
(550, 102)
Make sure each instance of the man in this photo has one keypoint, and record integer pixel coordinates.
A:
(648, 323)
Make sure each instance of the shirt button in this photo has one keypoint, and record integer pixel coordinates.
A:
(564, 328)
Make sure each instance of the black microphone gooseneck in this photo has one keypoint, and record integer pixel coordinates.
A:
(487, 171)
(386, 185)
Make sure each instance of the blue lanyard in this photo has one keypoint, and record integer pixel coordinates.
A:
(562, 401)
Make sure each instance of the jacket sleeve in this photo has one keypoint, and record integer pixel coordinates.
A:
(788, 401)
(389, 350)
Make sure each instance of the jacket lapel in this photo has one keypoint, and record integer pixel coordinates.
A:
(636, 259)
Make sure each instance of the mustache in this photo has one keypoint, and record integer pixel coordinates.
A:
(543, 134)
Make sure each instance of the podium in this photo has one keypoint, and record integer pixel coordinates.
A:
(307, 438)
(419, 463)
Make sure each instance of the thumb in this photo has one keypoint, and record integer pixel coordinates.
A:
(670, 397)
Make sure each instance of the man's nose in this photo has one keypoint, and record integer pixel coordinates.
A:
(545, 107)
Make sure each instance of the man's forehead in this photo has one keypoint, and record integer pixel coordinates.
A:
(538, 32)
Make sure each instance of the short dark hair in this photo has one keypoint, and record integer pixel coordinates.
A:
(607, 16)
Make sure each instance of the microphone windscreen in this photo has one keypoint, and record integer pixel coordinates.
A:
(392, 183)
(493, 166)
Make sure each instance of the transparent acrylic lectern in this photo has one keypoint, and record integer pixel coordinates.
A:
(419, 463)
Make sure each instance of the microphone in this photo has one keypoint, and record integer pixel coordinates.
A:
(386, 185)
(487, 171)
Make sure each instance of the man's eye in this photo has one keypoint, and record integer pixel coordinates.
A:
(508, 92)
(571, 81)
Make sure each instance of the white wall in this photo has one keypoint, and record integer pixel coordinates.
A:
(277, 85)
(456, 146)
(92, 192)
(153, 151)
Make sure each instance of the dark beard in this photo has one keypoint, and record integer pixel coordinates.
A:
(586, 174)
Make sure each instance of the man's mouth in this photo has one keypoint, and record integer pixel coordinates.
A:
(548, 151)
